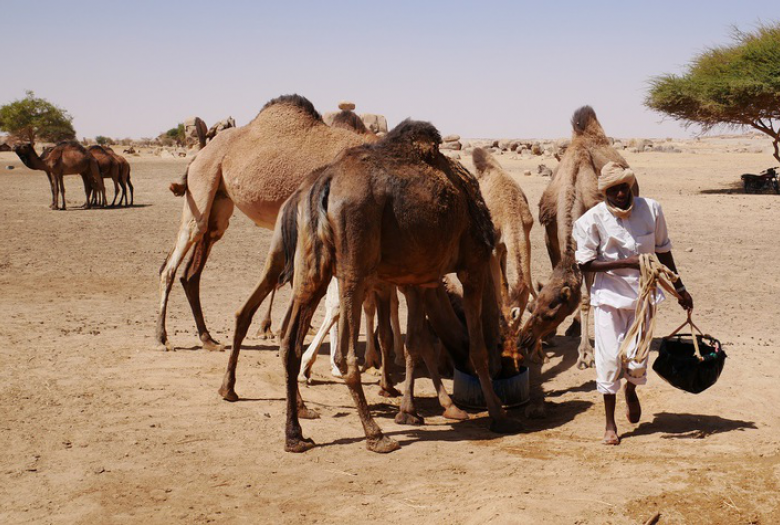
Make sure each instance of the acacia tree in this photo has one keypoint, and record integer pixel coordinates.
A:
(32, 117)
(735, 85)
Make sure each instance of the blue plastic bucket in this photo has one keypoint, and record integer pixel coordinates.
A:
(512, 391)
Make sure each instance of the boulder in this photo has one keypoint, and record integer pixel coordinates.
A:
(451, 154)
(527, 173)
(376, 123)
(544, 171)
(504, 144)
(346, 106)
(450, 146)
(451, 138)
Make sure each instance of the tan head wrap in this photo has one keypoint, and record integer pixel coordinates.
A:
(612, 175)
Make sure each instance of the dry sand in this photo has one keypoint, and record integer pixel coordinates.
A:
(97, 426)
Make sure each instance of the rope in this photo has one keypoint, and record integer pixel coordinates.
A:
(651, 274)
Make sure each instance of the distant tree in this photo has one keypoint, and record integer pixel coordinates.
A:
(104, 141)
(172, 136)
(736, 85)
(34, 118)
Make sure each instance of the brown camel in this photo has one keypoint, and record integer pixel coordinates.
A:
(255, 168)
(124, 176)
(572, 191)
(66, 158)
(512, 219)
(110, 168)
(396, 211)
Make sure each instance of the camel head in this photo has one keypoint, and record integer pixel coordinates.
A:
(26, 153)
(558, 299)
(589, 136)
(510, 334)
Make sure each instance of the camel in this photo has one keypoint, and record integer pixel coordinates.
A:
(254, 168)
(66, 158)
(512, 219)
(124, 176)
(110, 168)
(572, 191)
(396, 211)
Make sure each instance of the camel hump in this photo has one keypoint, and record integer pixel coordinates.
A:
(297, 101)
(483, 161)
(414, 135)
(582, 119)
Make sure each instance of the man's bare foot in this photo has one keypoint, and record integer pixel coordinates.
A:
(611, 438)
(633, 407)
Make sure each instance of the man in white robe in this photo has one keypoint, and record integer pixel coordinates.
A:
(610, 236)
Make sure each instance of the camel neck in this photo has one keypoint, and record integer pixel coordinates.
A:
(32, 160)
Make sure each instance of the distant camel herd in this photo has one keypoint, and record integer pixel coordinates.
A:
(93, 164)
(360, 218)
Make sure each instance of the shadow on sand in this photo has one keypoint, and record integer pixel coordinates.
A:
(688, 426)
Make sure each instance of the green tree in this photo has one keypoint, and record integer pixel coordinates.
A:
(104, 141)
(174, 135)
(31, 118)
(736, 85)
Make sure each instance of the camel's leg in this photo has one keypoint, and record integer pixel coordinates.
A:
(383, 305)
(130, 185)
(398, 337)
(99, 188)
(203, 183)
(123, 198)
(352, 295)
(87, 189)
(585, 357)
(274, 264)
(61, 184)
(265, 331)
(415, 317)
(371, 357)
(53, 187)
(331, 317)
(473, 282)
(219, 219)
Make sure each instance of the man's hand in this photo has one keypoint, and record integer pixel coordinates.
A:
(631, 262)
(685, 300)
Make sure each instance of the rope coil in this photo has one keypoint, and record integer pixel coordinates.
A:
(652, 273)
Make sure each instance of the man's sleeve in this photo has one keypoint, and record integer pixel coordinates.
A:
(586, 235)
(662, 242)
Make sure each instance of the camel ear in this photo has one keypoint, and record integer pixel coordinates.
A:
(566, 293)
(539, 286)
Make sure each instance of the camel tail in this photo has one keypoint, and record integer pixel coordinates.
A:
(289, 217)
(322, 244)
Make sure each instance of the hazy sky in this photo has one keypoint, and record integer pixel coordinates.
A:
(479, 69)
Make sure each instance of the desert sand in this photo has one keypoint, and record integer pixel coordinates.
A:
(99, 426)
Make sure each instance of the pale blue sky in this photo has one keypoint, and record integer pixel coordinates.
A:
(480, 69)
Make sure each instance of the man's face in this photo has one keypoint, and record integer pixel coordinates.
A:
(619, 195)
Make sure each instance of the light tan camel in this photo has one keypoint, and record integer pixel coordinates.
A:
(512, 219)
(124, 176)
(255, 168)
(110, 168)
(66, 158)
(195, 131)
(397, 211)
(572, 191)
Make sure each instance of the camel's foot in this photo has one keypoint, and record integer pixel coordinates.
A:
(574, 329)
(506, 425)
(53, 207)
(536, 410)
(164, 344)
(335, 372)
(585, 360)
(228, 393)
(298, 445)
(388, 392)
(408, 418)
(307, 413)
(211, 345)
(371, 364)
(304, 377)
(382, 445)
(372, 371)
(265, 331)
(453, 412)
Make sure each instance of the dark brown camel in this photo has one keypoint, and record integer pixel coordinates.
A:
(124, 176)
(397, 211)
(109, 167)
(66, 158)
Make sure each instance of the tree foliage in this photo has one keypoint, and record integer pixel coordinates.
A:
(31, 118)
(736, 85)
(104, 141)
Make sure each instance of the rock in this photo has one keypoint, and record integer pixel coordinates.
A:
(544, 171)
(376, 123)
(450, 145)
(451, 138)
(536, 148)
(689, 250)
(9, 167)
(527, 173)
(346, 106)
(451, 154)
(504, 144)
(467, 150)
(618, 145)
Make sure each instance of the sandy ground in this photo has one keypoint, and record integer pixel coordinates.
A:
(98, 426)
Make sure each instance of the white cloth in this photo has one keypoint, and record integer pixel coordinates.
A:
(602, 236)
(611, 326)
